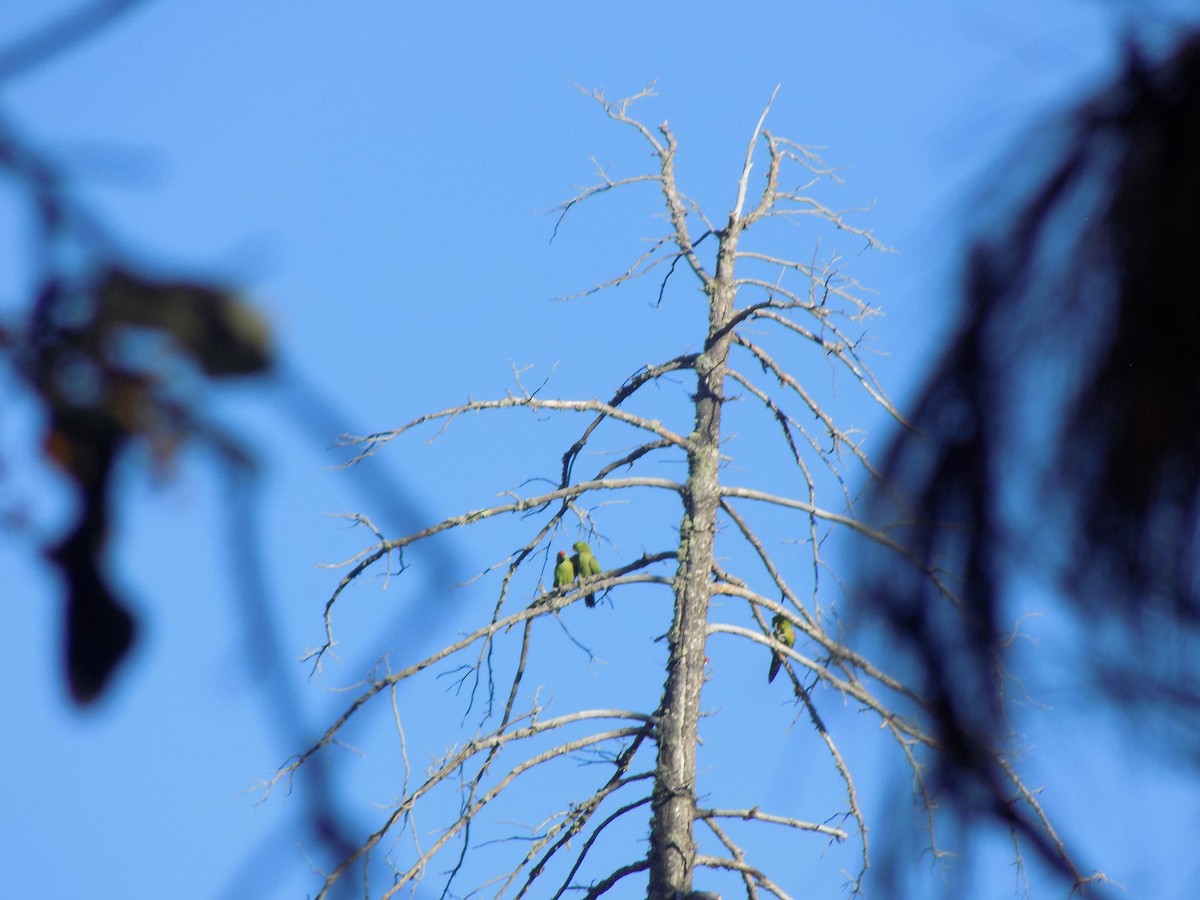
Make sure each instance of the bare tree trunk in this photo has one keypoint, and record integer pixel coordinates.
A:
(672, 843)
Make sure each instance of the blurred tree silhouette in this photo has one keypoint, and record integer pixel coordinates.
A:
(110, 352)
(1059, 435)
(118, 355)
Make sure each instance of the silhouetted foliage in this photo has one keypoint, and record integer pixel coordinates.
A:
(1058, 439)
(103, 360)
(117, 355)
(108, 352)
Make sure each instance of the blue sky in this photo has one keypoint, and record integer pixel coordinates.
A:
(378, 176)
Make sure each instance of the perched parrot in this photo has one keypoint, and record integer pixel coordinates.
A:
(785, 634)
(564, 572)
(586, 565)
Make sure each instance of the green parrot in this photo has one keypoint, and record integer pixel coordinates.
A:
(785, 634)
(586, 565)
(564, 572)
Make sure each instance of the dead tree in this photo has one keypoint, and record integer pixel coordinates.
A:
(756, 298)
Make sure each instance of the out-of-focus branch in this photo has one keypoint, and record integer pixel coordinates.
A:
(51, 40)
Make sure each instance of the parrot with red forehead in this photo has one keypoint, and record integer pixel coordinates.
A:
(564, 572)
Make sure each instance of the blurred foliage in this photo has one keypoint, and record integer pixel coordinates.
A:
(112, 354)
(104, 361)
(1057, 441)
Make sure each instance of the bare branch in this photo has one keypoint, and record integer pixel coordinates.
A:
(765, 202)
(849, 688)
(678, 205)
(642, 377)
(789, 381)
(843, 349)
(664, 150)
(641, 266)
(521, 768)
(756, 814)
(733, 865)
(602, 887)
(51, 40)
(375, 441)
(618, 814)
(606, 184)
(577, 818)
(738, 854)
(619, 110)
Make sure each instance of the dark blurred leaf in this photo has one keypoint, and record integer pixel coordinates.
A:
(98, 630)
(98, 400)
(223, 335)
